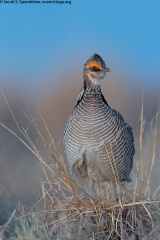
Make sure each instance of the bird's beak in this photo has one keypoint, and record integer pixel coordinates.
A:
(106, 70)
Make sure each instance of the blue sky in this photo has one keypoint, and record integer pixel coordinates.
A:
(39, 40)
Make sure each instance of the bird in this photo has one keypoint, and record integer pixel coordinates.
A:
(98, 144)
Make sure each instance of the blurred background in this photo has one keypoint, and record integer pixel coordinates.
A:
(42, 52)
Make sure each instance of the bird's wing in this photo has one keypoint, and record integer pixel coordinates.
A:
(128, 129)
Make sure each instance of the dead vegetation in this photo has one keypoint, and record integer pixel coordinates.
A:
(65, 211)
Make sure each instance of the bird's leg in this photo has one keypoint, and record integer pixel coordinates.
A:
(122, 187)
(115, 191)
(111, 192)
(119, 189)
(124, 192)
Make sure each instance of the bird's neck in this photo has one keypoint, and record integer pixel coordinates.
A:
(92, 86)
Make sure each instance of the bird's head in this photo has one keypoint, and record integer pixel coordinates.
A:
(95, 69)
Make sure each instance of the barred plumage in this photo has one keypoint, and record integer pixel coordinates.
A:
(98, 143)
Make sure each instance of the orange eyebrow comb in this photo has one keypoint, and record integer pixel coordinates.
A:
(94, 64)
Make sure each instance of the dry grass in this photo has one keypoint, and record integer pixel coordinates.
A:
(65, 211)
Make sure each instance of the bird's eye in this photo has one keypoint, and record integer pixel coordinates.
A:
(94, 68)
